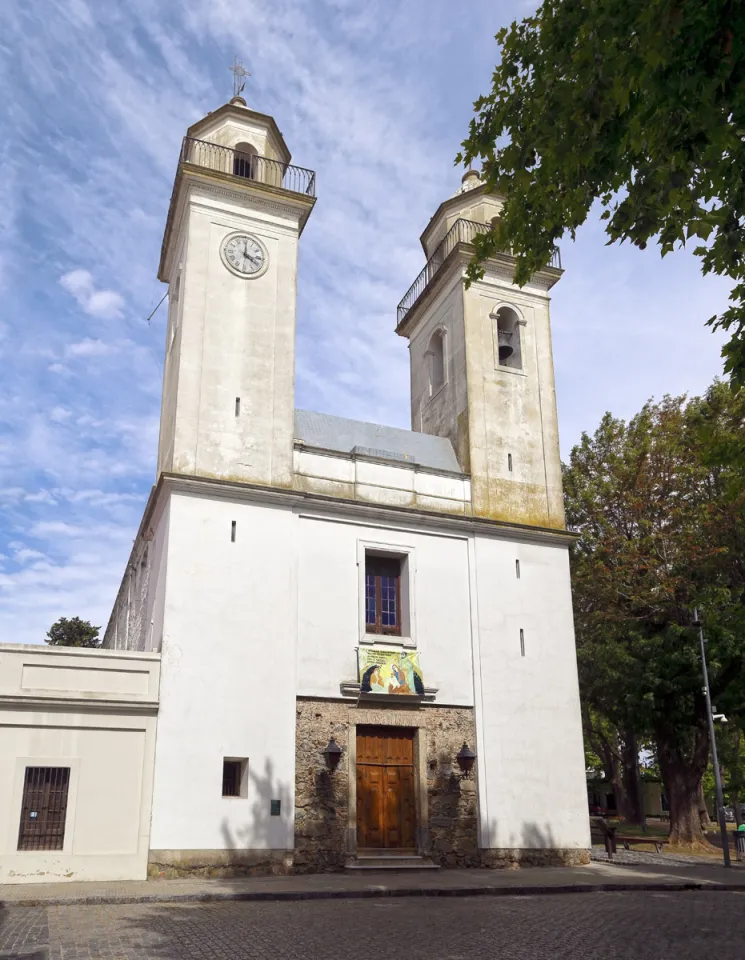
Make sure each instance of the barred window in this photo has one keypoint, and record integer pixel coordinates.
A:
(44, 808)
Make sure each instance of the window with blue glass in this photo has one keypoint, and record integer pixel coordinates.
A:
(383, 595)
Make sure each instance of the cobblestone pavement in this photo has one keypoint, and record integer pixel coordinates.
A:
(633, 857)
(615, 926)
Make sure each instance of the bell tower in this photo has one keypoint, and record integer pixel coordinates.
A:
(482, 367)
(229, 257)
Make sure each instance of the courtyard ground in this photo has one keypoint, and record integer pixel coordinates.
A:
(614, 926)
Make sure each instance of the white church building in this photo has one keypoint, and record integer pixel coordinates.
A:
(336, 644)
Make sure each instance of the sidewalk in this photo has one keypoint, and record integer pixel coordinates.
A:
(594, 878)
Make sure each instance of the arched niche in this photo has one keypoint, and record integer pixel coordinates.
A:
(437, 357)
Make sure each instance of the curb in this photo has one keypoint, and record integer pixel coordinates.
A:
(376, 892)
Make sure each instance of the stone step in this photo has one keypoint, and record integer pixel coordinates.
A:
(389, 862)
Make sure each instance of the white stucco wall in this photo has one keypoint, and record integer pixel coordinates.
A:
(228, 677)
(330, 604)
(136, 622)
(531, 766)
(94, 712)
(277, 613)
(236, 340)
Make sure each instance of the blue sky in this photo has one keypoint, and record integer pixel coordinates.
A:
(376, 98)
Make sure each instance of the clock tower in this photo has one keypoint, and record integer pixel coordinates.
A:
(229, 257)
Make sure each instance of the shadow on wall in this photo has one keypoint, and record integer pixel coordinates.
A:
(535, 846)
(259, 847)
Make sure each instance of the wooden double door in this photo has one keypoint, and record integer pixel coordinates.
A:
(386, 803)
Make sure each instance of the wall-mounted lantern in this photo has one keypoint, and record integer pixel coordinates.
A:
(332, 753)
(465, 758)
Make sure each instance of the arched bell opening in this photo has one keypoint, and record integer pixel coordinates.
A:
(245, 161)
(508, 338)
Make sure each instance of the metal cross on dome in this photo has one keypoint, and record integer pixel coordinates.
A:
(239, 73)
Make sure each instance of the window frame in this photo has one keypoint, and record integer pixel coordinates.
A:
(242, 779)
(378, 628)
(406, 555)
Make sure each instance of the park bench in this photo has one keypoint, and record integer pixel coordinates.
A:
(659, 842)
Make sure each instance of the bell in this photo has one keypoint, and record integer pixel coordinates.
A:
(505, 347)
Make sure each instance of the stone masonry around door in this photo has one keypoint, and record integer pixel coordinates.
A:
(326, 828)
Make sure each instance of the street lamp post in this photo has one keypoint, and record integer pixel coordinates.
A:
(713, 740)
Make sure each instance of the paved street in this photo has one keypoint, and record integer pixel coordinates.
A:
(615, 926)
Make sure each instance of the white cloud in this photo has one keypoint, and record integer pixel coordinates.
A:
(25, 554)
(105, 304)
(88, 348)
(42, 496)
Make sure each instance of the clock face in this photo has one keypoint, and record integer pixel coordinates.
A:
(244, 255)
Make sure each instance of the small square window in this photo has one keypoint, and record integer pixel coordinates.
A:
(235, 777)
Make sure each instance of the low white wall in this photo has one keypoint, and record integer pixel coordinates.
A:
(94, 712)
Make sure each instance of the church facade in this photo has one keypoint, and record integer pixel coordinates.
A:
(364, 634)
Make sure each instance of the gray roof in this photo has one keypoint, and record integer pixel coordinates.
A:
(374, 440)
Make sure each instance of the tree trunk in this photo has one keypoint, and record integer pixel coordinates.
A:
(610, 756)
(613, 774)
(682, 766)
(634, 812)
(703, 810)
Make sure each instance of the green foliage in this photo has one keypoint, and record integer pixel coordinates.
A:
(661, 521)
(73, 633)
(639, 104)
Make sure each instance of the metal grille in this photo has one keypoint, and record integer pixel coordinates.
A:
(274, 173)
(231, 778)
(44, 808)
(462, 231)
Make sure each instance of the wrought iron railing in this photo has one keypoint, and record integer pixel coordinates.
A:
(250, 166)
(462, 231)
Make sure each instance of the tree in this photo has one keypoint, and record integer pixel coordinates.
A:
(639, 104)
(73, 633)
(660, 521)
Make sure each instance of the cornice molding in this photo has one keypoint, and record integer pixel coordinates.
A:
(246, 193)
(49, 704)
(379, 514)
(500, 269)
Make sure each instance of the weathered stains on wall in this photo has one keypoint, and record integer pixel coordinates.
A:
(171, 864)
(401, 485)
(452, 799)
(321, 798)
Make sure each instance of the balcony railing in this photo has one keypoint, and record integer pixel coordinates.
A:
(462, 231)
(250, 166)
